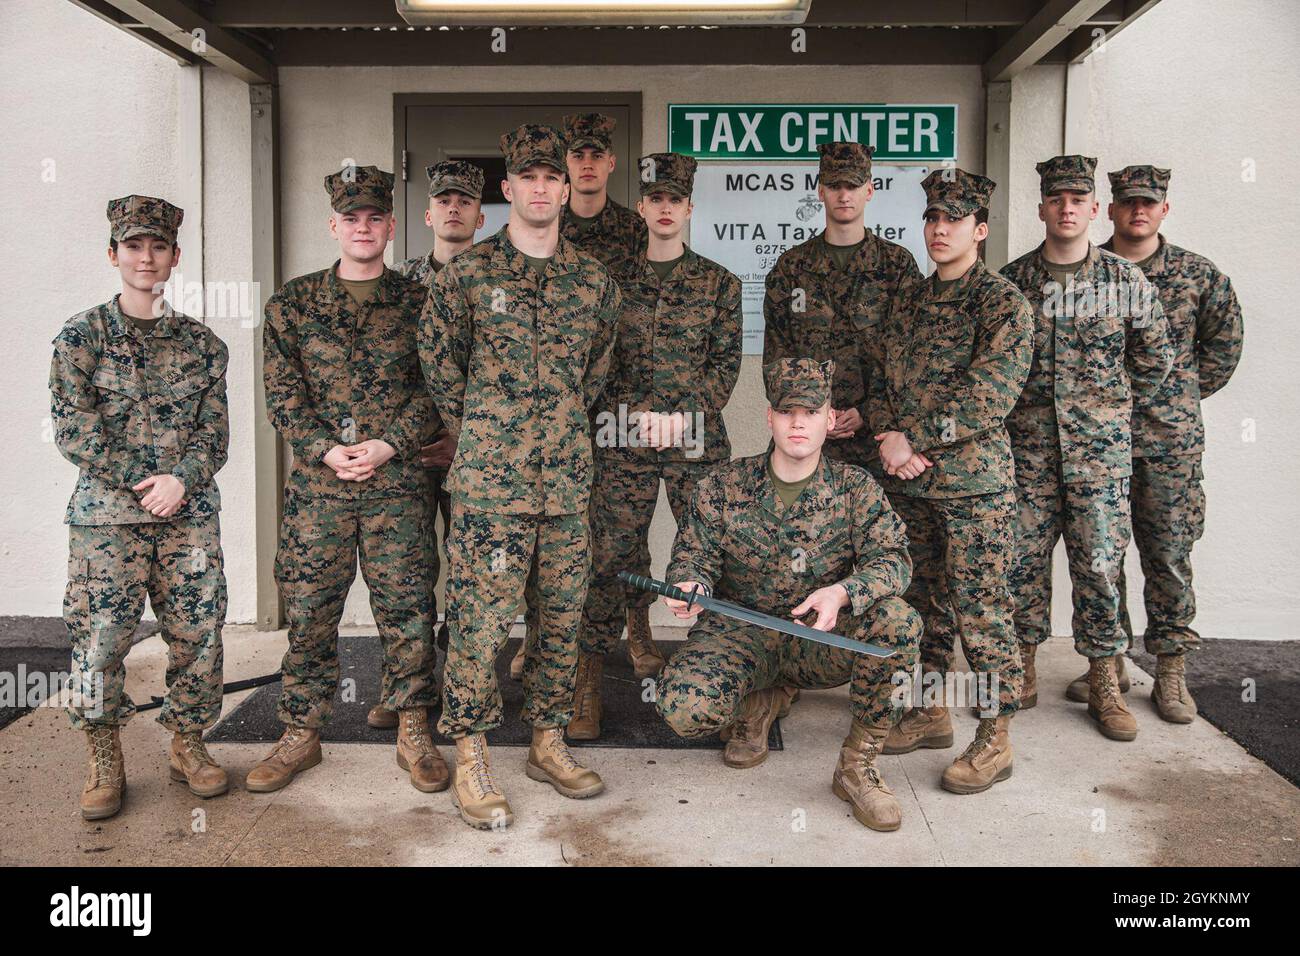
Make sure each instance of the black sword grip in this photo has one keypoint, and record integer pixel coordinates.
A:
(650, 584)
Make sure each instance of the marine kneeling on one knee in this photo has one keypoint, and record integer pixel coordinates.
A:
(793, 533)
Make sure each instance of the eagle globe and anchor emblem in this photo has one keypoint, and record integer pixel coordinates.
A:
(809, 208)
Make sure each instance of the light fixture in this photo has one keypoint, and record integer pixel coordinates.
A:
(499, 13)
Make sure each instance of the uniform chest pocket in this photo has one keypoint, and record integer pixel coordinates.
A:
(829, 556)
(752, 547)
(323, 349)
(119, 392)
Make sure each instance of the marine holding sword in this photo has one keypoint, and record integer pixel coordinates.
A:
(792, 532)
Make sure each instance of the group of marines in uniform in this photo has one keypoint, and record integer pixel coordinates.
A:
(931, 440)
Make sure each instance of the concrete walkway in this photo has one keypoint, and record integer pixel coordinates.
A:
(1178, 795)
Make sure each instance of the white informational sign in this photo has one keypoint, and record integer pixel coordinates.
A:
(747, 214)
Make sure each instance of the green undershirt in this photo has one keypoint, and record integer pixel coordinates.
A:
(360, 289)
(788, 491)
(538, 265)
(842, 254)
(1063, 272)
(663, 269)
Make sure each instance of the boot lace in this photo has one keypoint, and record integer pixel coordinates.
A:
(480, 774)
(415, 730)
(291, 737)
(983, 737)
(196, 748)
(863, 763)
(1172, 682)
(101, 739)
(560, 750)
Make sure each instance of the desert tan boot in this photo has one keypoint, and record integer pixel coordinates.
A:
(1029, 689)
(549, 761)
(857, 779)
(417, 754)
(585, 724)
(1106, 703)
(105, 773)
(481, 803)
(985, 762)
(747, 737)
(1173, 700)
(1078, 689)
(298, 749)
(381, 718)
(641, 651)
(190, 761)
(928, 727)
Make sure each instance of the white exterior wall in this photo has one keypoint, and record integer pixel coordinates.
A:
(1244, 565)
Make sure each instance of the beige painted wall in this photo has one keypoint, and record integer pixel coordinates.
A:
(1207, 117)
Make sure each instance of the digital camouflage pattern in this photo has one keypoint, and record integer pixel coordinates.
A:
(946, 368)
(1146, 182)
(111, 569)
(1100, 348)
(321, 540)
(594, 130)
(357, 187)
(338, 374)
(1168, 505)
(1071, 173)
(455, 174)
(617, 238)
(962, 550)
(531, 144)
(491, 556)
(133, 216)
(678, 349)
(798, 383)
(127, 404)
(957, 192)
(1205, 333)
(740, 540)
(813, 309)
(842, 162)
(1096, 354)
(514, 361)
(668, 173)
(420, 269)
(1093, 517)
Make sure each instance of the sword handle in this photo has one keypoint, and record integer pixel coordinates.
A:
(658, 587)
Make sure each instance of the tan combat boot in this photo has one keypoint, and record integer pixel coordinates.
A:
(517, 663)
(1106, 704)
(928, 727)
(481, 803)
(585, 724)
(1029, 690)
(190, 761)
(747, 737)
(986, 761)
(641, 651)
(857, 780)
(298, 749)
(1173, 700)
(1078, 689)
(550, 761)
(381, 718)
(105, 774)
(417, 754)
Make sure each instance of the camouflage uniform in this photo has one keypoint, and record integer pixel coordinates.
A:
(814, 309)
(1205, 329)
(741, 541)
(946, 371)
(1099, 347)
(465, 177)
(678, 350)
(125, 405)
(618, 236)
(515, 360)
(336, 374)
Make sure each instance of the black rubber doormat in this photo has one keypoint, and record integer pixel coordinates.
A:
(627, 721)
(29, 677)
(1248, 689)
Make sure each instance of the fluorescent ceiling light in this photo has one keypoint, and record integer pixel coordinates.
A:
(603, 13)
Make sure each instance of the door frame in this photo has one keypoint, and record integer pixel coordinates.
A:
(630, 100)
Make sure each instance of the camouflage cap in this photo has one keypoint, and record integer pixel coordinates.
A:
(354, 187)
(844, 163)
(143, 216)
(455, 174)
(957, 192)
(803, 382)
(589, 129)
(1073, 173)
(1148, 182)
(533, 143)
(669, 173)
